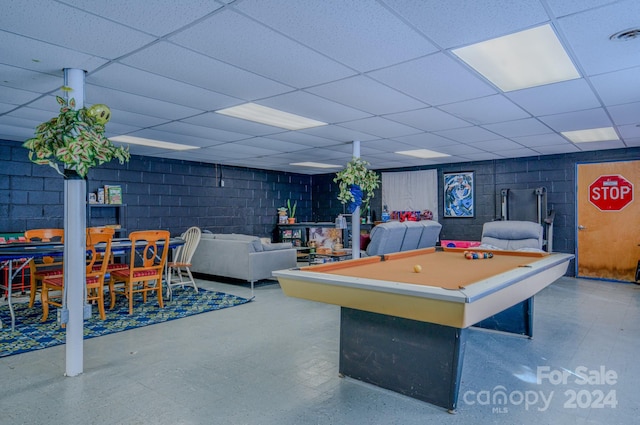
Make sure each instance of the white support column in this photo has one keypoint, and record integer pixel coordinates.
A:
(75, 221)
(355, 217)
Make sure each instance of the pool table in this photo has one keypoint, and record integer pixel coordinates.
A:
(405, 330)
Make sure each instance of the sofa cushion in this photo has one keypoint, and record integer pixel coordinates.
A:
(276, 246)
(254, 241)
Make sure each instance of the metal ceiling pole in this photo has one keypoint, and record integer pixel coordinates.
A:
(75, 221)
(355, 217)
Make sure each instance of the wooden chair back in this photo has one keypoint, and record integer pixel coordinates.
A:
(44, 235)
(149, 249)
(98, 251)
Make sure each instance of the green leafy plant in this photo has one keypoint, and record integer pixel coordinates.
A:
(75, 139)
(356, 173)
(292, 209)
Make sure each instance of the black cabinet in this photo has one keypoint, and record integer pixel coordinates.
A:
(108, 215)
(324, 233)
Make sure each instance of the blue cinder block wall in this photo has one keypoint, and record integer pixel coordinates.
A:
(174, 194)
(159, 194)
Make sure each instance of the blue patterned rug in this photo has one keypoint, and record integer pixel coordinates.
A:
(30, 334)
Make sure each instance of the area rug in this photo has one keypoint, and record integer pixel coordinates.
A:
(30, 334)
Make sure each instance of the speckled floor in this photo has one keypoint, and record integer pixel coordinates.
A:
(275, 361)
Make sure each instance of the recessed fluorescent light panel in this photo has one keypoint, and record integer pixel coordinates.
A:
(517, 61)
(423, 153)
(152, 143)
(270, 116)
(314, 165)
(592, 135)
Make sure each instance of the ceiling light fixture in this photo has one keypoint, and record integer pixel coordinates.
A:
(603, 134)
(265, 115)
(314, 165)
(529, 58)
(423, 153)
(152, 143)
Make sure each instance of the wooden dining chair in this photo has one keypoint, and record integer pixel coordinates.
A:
(179, 273)
(40, 268)
(111, 264)
(98, 249)
(147, 261)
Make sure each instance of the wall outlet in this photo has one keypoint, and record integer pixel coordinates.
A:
(221, 183)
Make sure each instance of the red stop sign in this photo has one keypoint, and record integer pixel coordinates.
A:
(611, 193)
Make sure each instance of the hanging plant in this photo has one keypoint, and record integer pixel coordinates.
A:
(75, 139)
(356, 184)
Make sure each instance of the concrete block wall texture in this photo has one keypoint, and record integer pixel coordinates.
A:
(174, 195)
(159, 194)
(555, 172)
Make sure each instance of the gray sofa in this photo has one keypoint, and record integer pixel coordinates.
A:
(394, 236)
(241, 257)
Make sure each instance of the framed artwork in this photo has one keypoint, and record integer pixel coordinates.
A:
(458, 194)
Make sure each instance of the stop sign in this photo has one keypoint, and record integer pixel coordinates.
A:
(611, 193)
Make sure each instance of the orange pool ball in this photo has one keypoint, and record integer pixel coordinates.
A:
(417, 268)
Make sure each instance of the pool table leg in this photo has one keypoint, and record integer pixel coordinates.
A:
(517, 319)
(418, 359)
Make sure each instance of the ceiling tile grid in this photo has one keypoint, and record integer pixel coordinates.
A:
(378, 71)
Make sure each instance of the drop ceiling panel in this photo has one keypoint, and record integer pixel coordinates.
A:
(443, 23)
(174, 138)
(27, 53)
(588, 36)
(367, 95)
(16, 97)
(44, 20)
(133, 119)
(340, 134)
(467, 134)
(556, 98)
(516, 128)
(486, 110)
(517, 153)
(168, 60)
(567, 7)
(303, 139)
(625, 114)
(311, 106)
(233, 125)
(130, 102)
(163, 18)
(376, 37)
(556, 149)
(12, 132)
(429, 79)
(380, 127)
(618, 87)
(272, 144)
(592, 118)
(154, 86)
(19, 78)
(201, 131)
(542, 140)
(304, 67)
(429, 119)
(497, 145)
(427, 140)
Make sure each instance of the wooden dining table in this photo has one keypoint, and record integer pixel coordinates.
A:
(15, 256)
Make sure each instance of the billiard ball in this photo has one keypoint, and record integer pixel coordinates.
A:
(417, 268)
